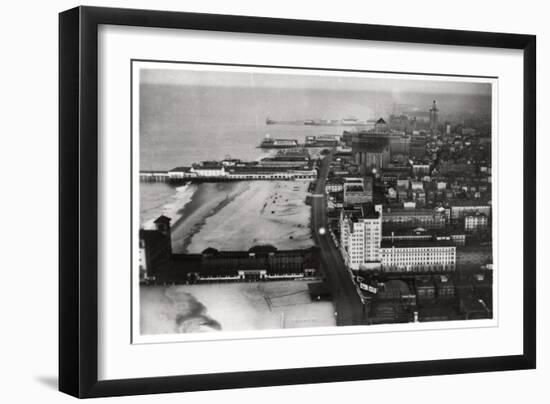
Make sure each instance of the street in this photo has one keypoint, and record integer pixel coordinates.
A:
(346, 300)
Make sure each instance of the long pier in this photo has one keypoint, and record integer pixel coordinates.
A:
(179, 177)
(154, 176)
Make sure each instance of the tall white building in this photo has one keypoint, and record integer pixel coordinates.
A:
(360, 237)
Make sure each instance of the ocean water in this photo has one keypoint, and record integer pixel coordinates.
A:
(181, 125)
(163, 199)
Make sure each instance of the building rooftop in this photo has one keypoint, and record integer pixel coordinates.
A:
(443, 280)
(406, 232)
(354, 188)
(416, 243)
(366, 213)
(410, 212)
(469, 202)
(208, 165)
(335, 181)
(422, 281)
(162, 219)
(180, 170)
(261, 169)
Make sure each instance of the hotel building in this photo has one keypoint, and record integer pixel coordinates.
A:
(363, 247)
(360, 237)
(417, 255)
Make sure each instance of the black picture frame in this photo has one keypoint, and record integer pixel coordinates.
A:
(78, 200)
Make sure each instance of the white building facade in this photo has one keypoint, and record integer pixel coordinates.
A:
(420, 258)
(360, 239)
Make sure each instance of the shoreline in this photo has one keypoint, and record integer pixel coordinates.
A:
(239, 215)
(199, 225)
(207, 200)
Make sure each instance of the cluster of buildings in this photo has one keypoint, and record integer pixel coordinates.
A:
(410, 201)
(405, 298)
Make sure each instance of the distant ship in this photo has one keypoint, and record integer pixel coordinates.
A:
(350, 121)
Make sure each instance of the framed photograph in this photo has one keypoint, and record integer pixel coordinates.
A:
(252, 201)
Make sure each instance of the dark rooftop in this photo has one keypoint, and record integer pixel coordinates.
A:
(416, 243)
(208, 165)
(180, 169)
(162, 219)
(354, 188)
(266, 248)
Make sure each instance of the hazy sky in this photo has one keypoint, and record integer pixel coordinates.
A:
(302, 80)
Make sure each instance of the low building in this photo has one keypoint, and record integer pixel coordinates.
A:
(417, 185)
(417, 255)
(445, 287)
(458, 239)
(208, 169)
(413, 218)
(460, 209)
(420, 169)
(476, 222)
(181, 173)
(425, 290)
(357, 191)
(334, 185)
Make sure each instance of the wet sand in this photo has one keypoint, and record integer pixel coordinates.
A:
(208, 199)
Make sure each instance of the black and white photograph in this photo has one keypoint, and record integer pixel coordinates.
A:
(275, 202)
(274, 198)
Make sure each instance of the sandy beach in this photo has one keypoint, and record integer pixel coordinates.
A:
(207, 200)
(257, 212)
(231, 307)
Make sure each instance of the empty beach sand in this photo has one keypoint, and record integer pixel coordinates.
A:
(264, 212)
